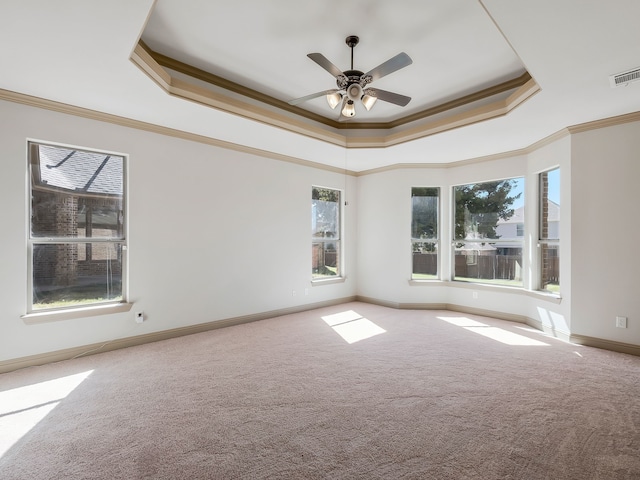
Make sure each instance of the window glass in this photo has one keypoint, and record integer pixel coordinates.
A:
(325, 233)
(487, 243)
(77, 229)
(424, 232)
(549, 235)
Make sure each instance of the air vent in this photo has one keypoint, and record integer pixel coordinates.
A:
(624, 77)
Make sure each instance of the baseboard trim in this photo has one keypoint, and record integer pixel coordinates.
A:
(531, 322)
(84, 350)
(402, 306)
(116, 344)
(611, 345)
(538, 325)
(377, 301)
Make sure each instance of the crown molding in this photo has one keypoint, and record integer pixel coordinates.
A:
(605, 122)
(59, 107)
(54, 106)
(191, 83)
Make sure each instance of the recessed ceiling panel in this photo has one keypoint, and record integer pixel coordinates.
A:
(263, 45)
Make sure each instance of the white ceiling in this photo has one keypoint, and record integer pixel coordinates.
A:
(455, 46)
(77, 52)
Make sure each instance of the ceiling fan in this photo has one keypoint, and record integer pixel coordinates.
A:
(353, 84)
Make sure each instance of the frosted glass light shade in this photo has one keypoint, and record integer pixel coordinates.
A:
(349, 109)
(333, 99)
(368, 101)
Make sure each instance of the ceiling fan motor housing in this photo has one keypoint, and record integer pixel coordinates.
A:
(351, 81)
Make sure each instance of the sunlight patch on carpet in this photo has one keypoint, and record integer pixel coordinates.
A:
(352, 326)
(495, 333)
(23, 408)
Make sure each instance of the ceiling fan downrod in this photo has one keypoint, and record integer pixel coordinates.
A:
(352, 80)
(352, 41)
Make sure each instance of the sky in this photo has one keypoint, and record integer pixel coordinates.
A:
(554, 188)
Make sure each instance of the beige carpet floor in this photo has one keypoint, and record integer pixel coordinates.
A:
(354, 391)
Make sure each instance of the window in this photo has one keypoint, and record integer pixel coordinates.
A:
(487, 245)
(424, 232)
(77, 227)
(549, 235)
(325, 233)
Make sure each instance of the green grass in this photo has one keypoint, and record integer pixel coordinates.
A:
(73, 302)
(424, 276)
(324, 271)
(76, 295)
(490, 281)
(552, 287)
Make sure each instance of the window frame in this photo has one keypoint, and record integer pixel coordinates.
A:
(339, 276)
(549, 241)
(434, 239)
(474, 260)
(88, 308)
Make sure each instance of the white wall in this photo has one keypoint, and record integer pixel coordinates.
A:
(557, 154)
(605, 232)
(384, 232)
(213, 233)
(216, 233)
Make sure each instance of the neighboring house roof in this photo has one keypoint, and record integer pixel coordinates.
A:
(554, 212)
(517, 217)
(518, 214)
(79, 171)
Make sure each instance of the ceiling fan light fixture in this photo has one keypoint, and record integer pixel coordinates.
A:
(368, 101)
(334, 99)
(349, 109)
(354, 91)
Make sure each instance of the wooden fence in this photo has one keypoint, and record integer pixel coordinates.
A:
(486, 267)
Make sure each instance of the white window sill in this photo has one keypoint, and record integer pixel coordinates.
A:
(326, 281)
(548, 296)
(539, 294)
(71, 313)
(433, 282)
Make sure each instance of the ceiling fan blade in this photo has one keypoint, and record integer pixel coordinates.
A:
(325, 63)
(390, 97)
(297, 101)
(393, 64)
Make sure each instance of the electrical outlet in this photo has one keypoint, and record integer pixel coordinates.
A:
(293, 293)
(475, 294)
(139, 316)
(621, 322)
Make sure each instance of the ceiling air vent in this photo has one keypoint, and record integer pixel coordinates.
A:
(624, 77)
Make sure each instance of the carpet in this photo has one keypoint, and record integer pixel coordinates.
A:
(353, 391)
